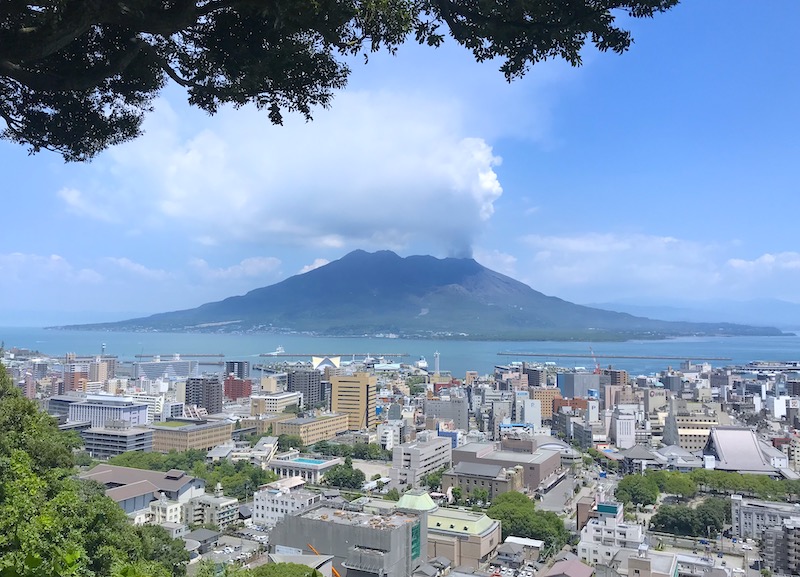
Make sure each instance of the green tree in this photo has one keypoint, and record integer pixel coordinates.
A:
(286, 442)
(519, 517)
(283, 570)
(393, 495)
(637, 489)
(77, 77)
(345, 476)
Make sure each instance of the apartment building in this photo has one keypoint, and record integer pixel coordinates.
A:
(274, 403)
(273, 501)
(546, 395)
(206, 392)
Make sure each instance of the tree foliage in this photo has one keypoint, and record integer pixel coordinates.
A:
(77, 76)
(706, 520)
(345, 475)
(239, 479)
(519, 517)
(640, 489)
(53, 524)
(368, 451)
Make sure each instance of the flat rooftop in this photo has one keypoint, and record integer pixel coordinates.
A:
(359, 519)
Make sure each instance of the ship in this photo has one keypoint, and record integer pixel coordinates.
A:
(279, 351)
(421, 363)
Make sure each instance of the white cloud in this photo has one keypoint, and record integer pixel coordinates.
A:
(248, 268)
(318, 262)
(77, 203)
(138, 269)
(767, 263)
(33, 269)
(376, 171)
(498, 261)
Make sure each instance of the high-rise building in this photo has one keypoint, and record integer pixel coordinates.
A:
(574, 385)
(76, 373)
(546, 395)
(205, 392)
(237, 388)
(355, 396)
(307, 382)
(241, 369)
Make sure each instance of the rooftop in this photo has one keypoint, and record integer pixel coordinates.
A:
(358, 519)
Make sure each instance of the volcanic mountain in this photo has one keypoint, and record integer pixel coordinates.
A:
(418, 296)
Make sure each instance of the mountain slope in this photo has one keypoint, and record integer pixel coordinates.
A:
(367, 293)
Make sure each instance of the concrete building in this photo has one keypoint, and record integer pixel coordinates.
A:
(115, 438)
(573, 385)
(312, 470)
(213, 509)
(689, 425)
(538, 466)
(273, 501)
(455, 408)
(99, 409)
(750, 518)
(363, 544)
(75, 373)
(466, 538)
(355, 396)
(264, 423)
(239, 369)
(546, 395)
(606, 533)
(185, 435)
(274, 403)
(781, 547)
(412, 461)
(307, 382)
(623, 429)
(494, 479)
(206, 392)
(235, 388)
(313, 429)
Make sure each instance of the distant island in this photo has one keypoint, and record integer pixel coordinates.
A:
(383, 294)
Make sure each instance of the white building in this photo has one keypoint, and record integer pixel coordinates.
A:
(531, 413)
(273, 501)
(623, 429)
(213, 509)
(412, 461)
(604, 535)
(155, 405)
(98, 409)
(390, 434)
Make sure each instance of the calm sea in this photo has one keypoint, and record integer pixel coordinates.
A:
(455, 356)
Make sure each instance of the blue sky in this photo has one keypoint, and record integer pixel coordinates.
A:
(666, 175)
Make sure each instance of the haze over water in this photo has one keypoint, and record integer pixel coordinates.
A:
(456, 356)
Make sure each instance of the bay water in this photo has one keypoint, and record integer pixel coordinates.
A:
(455, 356)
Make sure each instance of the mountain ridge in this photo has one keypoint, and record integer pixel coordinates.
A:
(366, 293)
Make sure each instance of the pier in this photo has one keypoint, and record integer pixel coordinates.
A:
(598, 356)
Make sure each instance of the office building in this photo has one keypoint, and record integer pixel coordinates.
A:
(274, 403)
(355, 396)
(413, 461)
(574, 385)
(312, 429)
(455, 408)
(781, 547)
(184, 435)
(216, 509)
(115, 438)
(239, 369)
(393, 544)
(99, 409)
(273, 501)
(538, 466)
(750, 517)
(307, 382)
(75, 374)
(494, 479)
(205, 392)
(546, 395)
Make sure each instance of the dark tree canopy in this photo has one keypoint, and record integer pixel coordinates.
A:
(78, 76)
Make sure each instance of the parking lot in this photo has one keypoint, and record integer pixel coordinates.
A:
(245, 546)
(509, 572)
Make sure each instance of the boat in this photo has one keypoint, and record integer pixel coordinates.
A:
(421, 363)
(276, 352)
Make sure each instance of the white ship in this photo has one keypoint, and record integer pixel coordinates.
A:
(421, 363)
(276, 352)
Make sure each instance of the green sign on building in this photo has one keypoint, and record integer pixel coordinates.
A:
(415, 541)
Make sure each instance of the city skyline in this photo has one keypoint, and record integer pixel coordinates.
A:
(651, 177)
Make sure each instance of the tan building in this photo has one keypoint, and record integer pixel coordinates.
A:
(546, 395)
(354, 396)
(183, 435)
(494, 479)
(273, 403)
(265, 424)
(312, 429)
